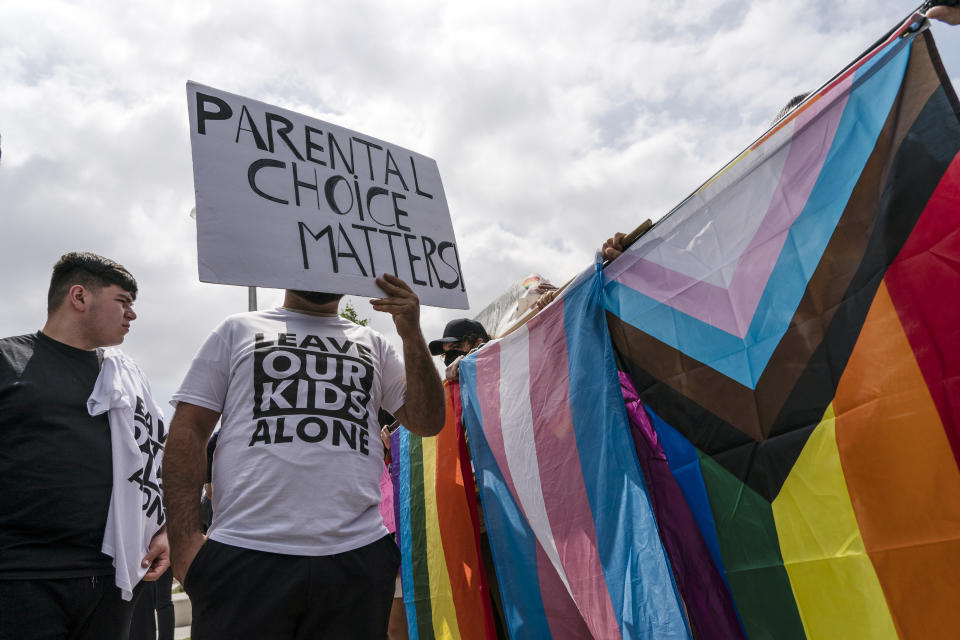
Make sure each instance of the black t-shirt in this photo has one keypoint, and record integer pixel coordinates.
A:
(55, 461)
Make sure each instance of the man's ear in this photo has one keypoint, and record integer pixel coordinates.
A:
(78, 297)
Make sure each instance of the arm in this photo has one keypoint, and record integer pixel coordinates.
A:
(423, 413)
(184, 465)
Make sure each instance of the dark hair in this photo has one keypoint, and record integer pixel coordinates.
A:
(90, 270)
(792, 104)
(470, 338)
(316, 297)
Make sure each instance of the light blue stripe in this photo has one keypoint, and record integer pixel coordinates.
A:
(876, 85)
(512, 542)
(635, 565)
(402, 457)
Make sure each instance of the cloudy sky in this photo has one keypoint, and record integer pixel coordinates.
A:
(554, 124)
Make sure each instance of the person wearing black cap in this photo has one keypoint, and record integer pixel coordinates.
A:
(460, 337)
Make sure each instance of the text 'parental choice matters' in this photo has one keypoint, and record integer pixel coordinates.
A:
(288, 201)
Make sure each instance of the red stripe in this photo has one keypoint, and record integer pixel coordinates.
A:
(924, 283)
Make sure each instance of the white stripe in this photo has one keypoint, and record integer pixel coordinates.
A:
(732, 209)
(516, 421)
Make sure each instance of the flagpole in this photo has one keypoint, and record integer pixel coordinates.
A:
(251, 291)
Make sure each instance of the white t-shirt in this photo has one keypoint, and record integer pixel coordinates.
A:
(137, 435)
(298, 460)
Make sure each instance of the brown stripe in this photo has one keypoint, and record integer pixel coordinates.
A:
(754, 413)
(845, 251)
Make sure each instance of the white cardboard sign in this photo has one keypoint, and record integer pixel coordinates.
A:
(292, 202)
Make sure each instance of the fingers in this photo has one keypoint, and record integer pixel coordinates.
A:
(158, 569)
(402, 303)
(546, 299)
(453, 371)
(392, 285)
(950, 15)
(148, 559)
(613, 247)
(157, 559)
(399, 294)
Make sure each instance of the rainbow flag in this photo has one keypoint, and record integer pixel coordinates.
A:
(574, 541)
(444, 585)
(793, 330)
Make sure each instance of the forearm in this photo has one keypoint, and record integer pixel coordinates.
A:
(424, 407)
(184, 470)
(423, 410)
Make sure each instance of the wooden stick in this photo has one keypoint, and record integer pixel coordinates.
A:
(634, 235)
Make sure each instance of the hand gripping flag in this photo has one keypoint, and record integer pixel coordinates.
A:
(574, 541)
(793, 329)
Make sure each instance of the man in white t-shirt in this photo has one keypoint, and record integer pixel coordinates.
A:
(297, 546)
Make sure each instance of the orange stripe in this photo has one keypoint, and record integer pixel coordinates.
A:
(903, 480)
(459, 547)
(840, 78)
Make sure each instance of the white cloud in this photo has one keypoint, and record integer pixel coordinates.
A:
(554, 124)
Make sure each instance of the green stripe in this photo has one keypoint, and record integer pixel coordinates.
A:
(418, 539)
(751, 553)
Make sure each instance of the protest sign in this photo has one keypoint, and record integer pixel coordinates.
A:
(292, 202)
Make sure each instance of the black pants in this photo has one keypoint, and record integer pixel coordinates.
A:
(240, 594)
(154, 596)
(63, 609)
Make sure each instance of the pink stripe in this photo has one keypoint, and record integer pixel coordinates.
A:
(561, 477)
(488, 393)
(732, 309)
(561, 612)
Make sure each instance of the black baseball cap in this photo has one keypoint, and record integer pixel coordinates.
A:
(457, 330)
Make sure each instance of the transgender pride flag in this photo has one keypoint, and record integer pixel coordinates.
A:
(574, 540)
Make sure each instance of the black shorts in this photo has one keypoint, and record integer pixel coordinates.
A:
(240, 594)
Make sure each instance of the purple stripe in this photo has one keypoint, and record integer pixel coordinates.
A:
(731, 309)
(707, 598)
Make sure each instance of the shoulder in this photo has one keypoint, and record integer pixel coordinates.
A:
(366, 334)
(241, 325)
(15, 352)
(117, 357)
(16, 345)
(15, 341)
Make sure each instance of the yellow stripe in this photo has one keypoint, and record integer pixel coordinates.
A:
(720, 173)
(441, 597)
(834, 582)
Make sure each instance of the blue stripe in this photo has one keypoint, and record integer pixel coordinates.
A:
(401, 456)
(635, 565)
(512, 542)
(684, 464)
(876, 85)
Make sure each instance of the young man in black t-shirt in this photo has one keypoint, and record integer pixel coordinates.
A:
(55, 462)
